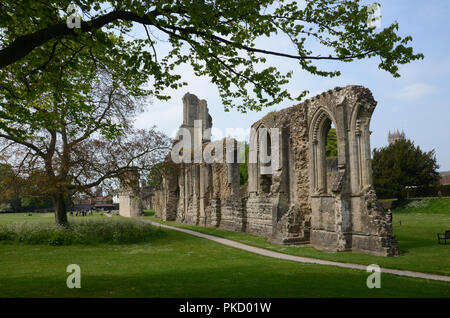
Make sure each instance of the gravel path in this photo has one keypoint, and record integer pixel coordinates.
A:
(300, 259)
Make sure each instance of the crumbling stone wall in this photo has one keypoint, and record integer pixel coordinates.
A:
(303, 197)
(130, 204)
(167, 194)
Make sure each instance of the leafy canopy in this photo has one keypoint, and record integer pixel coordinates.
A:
(218, 38)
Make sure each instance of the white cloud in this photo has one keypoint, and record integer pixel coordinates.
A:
(415, 91)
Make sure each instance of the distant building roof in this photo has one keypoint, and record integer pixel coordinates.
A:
(95, 200)
(445, 178)
(395, 136)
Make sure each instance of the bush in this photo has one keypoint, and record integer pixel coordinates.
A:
(87, 232)
(5, 207)
(428, 191)
(445, 190)
(149, 212)
(402, 165)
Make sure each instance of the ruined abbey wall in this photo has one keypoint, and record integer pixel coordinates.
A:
(301, 197)
(129, 198)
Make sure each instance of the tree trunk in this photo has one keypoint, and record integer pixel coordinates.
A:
(60, 209)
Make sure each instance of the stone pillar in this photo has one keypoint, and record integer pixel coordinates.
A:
(233, 172)
(204, 178)
(253, 162)
(130, 204)
(195, 109)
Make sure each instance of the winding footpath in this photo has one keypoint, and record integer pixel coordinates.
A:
(299, 259)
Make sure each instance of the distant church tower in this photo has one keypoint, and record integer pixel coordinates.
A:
(395, 136)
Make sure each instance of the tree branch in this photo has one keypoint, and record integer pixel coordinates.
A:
(23, 45)
(24, 143)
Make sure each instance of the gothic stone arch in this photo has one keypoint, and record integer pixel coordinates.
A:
(346, 215)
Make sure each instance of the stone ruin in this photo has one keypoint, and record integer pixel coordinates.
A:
(130, 202)
(303, 198)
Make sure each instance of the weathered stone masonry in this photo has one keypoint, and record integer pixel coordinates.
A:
(302, 199)
(129, 198)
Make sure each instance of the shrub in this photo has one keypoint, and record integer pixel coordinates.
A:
(87, 232)
(428, 191)
(400, 166)
(149, 212)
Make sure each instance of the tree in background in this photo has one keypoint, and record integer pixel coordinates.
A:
(18, 193)
(401, 165)
(10, 189)
(243, 166)
(36, 202)
(67, 142)
(331, 148)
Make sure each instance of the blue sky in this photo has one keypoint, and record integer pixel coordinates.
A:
(418, 102)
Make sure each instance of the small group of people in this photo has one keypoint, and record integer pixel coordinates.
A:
(389, 216)
(83, 212)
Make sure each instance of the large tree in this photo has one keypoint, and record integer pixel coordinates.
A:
(68, 143)
(218, 38)
(401, 165)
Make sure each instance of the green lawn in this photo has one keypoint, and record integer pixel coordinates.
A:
(415, 225)
(181, 265)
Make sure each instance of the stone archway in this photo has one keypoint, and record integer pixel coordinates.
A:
(261, 164)
(329, 202)
(321, 125)
(345, 215)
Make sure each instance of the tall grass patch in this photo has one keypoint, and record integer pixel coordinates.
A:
(86, 232)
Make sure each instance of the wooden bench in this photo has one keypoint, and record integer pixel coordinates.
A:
(444, 237)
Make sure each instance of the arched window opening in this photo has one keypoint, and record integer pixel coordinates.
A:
(265, 160)
(364, 167)
(324, 154)
(331, 156)
(331, 142)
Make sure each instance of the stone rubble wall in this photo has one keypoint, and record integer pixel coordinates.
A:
(129, 196)
(330, 204)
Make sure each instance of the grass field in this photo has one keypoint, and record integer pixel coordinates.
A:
(415, 225)
(180, 265)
